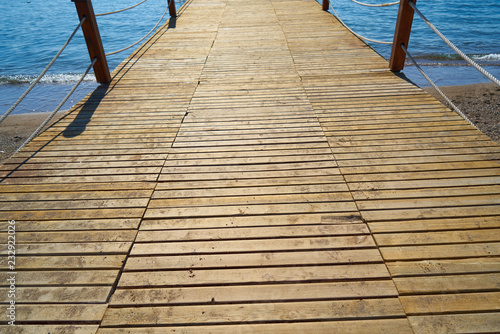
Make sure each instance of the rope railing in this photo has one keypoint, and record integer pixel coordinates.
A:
(457, 50)
(376, 5)
(352, 31)
(436, 87)
(143, 38)
(52, 114)
(34, 82)
(121, 10)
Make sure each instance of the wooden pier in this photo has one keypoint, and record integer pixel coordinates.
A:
(254, 168)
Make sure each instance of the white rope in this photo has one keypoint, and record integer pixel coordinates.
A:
(437, 88)
(47, 120)
(381, 5)
(41, 74)
(457, 50)
(121, 10)
(358, 35)
(128, 47)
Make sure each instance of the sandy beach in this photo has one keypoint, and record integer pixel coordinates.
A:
(15, 129)
(480, 102)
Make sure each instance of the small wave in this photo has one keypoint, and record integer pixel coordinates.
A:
(491, 56)
(439, 57)
(67, 78)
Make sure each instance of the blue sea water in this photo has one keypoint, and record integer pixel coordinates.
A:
(32, 31)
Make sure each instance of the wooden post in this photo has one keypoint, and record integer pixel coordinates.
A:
(171, 9)
(326, 5)
(93, 40)
(401, 35)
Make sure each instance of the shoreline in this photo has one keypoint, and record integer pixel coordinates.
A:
(480, 102)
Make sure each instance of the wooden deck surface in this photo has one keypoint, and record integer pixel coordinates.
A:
(255, 168)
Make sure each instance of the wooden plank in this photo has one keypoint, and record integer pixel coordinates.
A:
(435, 237)
(42, 295)
(250, 233)
(443, 267)
(239, 221)
(433, 212)
(359, 326)
(249, 191)
(454, 323)
(455, 201)
(189, 277)
(75, 236)
(67, 195)
(74, 205)
(59, 313)
(67, 262)
(253, 245)
(66, 277)
(76, 225)
(422, 225)
(427, 192)
(447, 303)
(417, 184)
(73, 214)
(247, 200)
(34, 329)
(77, 187)
(440, 251)
(246, 294)
(70, 248)
(256, 175)
(263, 259)
(423, 175)
(249, 210)
(446, 284)
(329, 310)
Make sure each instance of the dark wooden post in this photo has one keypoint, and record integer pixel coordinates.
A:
(326, 5)
(401, 35)
(171, 9)
(93, 40)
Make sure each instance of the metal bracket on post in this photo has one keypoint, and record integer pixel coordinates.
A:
(326, 5)
(401, 35)
(93, 40)
(171, 9)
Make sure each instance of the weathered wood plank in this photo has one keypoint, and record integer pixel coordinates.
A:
(257, 312)
(442, 284)
(250, 233)
(247, 294)
(190, 277)
(60, 313)
(454, 323)
(358, 326)
(448, 303)
(34, 329)
(42, 295)
(262, 259)
(66, 277)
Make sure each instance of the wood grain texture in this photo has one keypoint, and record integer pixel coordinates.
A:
(255, 169)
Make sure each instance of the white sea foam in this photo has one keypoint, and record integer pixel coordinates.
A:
(67, 78)
(491, 56)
